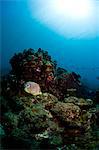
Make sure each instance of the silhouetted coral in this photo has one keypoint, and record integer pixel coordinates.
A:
(38, 66)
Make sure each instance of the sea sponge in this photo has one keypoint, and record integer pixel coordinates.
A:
(32, 88)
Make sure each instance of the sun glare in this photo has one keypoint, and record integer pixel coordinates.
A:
(75, 9)
(69, 18)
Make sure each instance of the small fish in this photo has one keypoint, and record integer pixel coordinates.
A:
(32, 88)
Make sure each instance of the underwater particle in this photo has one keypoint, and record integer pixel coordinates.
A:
(32, 88)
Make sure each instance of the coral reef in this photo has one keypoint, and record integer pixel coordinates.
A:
(72, 114)
(43, 118)
(39, 67)
(43, 107)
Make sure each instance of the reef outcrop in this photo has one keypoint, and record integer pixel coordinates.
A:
(38, 66)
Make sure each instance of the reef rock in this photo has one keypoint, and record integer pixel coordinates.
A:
(32, 88)
(48, 100)
(81, 102)
(73, 115)
(67, 112)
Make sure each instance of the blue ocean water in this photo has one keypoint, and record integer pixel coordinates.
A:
(20, 30)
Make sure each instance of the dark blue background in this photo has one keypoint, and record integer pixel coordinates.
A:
(20, 30)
